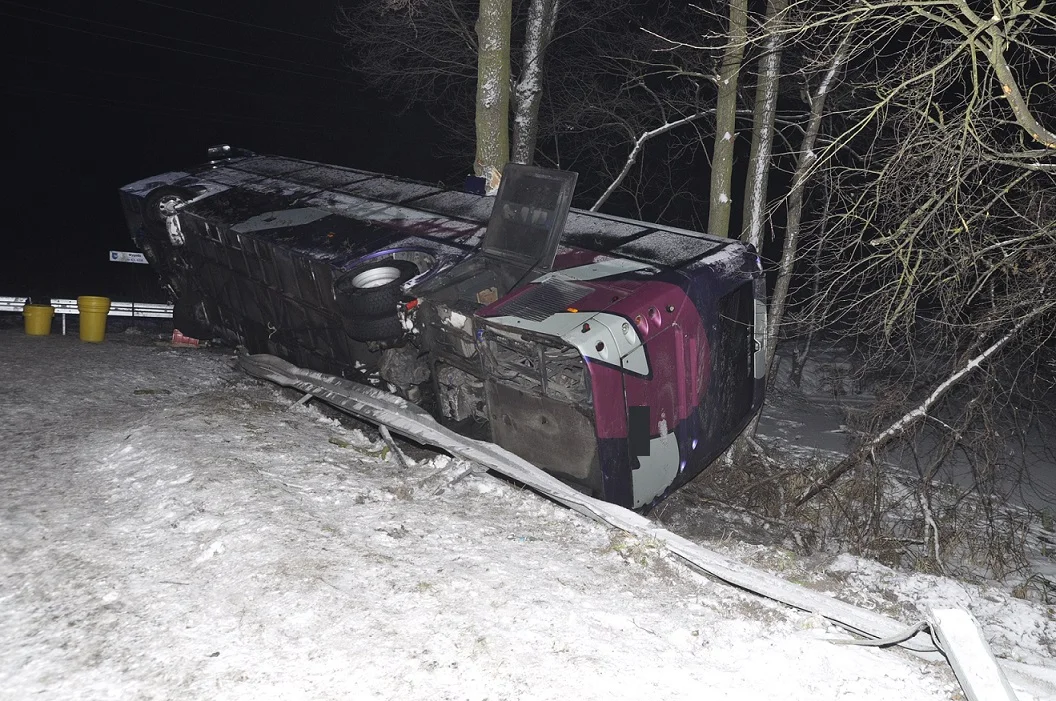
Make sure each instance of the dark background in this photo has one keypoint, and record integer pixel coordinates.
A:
(100, 94)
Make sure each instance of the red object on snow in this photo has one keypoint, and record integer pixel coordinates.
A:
(178, 339)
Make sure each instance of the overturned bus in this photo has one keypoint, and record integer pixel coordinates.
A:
(620, 356)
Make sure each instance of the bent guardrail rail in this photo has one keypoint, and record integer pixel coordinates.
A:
(403, 417)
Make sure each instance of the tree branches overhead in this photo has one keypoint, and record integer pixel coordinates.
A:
(899, 178)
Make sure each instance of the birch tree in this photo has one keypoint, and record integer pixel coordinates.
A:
(455, 58)
(528, 92)
(766, 93)
(796, 199)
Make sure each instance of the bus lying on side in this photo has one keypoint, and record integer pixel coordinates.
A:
(620, 356)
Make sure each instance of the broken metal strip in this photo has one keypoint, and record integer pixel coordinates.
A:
(389, 441)
(888, 641)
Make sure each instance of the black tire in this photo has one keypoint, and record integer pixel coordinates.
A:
(381, 328)
(158, 201)
(373, 289)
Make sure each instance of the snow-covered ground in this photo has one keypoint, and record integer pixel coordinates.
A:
(171, 529)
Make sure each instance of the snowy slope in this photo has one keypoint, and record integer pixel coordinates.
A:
(169, 529)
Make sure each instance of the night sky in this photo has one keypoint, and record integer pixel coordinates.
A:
(101, 94)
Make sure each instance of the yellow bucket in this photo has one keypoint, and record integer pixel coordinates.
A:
(38, 319)
(93, 312)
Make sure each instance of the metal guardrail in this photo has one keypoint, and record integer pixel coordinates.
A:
(974, 665)
(69, 306)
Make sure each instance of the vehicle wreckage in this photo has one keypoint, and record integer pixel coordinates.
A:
(620, 356)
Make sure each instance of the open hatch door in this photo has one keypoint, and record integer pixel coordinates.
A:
(528, 217)
(523, 234)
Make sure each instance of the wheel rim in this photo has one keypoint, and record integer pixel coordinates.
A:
(376, 277)
(167, 205)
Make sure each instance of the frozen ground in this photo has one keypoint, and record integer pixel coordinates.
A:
(170, 529)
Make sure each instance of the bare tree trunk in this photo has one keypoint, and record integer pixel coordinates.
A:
(765, 109)
(493, 91)
(793, 224)
(721, 193)
(802, 354)
(766, 91)
(789, 250)
(528, 93)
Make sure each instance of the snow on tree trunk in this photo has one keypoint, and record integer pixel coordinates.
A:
(763, 126)
(528, 93)
(805, 165)
(721, 195)
(493, 91)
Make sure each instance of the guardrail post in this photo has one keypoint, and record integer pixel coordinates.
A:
(960, 637)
